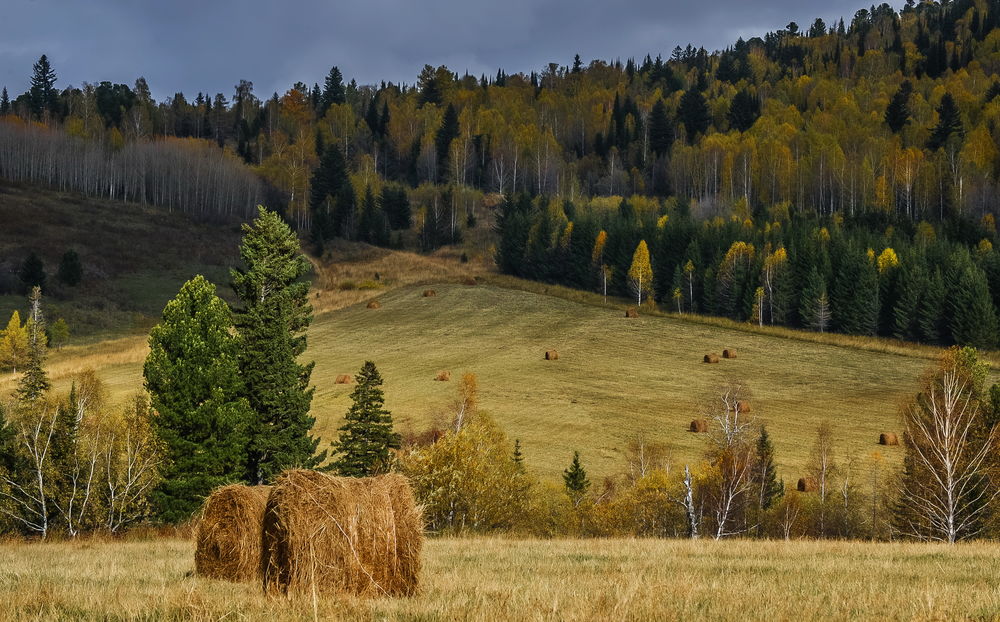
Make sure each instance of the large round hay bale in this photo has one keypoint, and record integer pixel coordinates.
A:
(743, 406)
(429, 292)
(227, 538)
(344, 379)
(888, 438)
(699, 426)
(729, 353)
(551, 355)
(443, 376)
(374, 304)
(631, 312)
(470, 281)
(807, 484)
(711, 358)
(325, 534)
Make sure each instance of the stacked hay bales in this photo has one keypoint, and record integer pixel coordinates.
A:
(888, 438)
(374, 304)
(631, 312)
(729, 353)
(711, 358)
(228, 533)
(551, 355)
(324, 534)
(699, 426)
(443, 376)
(429, 293)
(344, 379)
(807, 484)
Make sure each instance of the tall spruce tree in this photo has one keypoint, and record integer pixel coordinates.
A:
(693, 113)
(32, 273)
(271, 322)
(447, 132)
(4, 102)
(949, 123)
(766, 483)
(195, 385)
(897, 113)
(333, 90)
(34, 382)
(366, 437)
(42, 96)
(744, 111)
(972, 316)
(661, 131)
(575, 478)
(328, 179)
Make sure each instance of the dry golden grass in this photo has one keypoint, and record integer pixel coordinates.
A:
(503, 579)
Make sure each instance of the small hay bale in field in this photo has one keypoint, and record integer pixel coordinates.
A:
(807, 484)
(428, 293)
(470, 281)
(374, 304)
(711, 358)
(743, 406)
(631, 312)
(699, 426)
(227, 541)
(443, 376)
(888, 438)
(359, 536)
(729, 353)
(551, 355)
(343, 379)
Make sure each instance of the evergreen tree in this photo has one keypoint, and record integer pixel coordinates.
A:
(854, 298)
(949, 123)
(344, 209)
(930, 313)
(70, 269)
(812, 291)
(575, 478)
(328, 179)
(333, 91)
(4, 102)
(366, 437)
(897, 114)
(769, 489)
(32, 273)
(744, 111)
(271, 322)
(194, 382)
(693, 113)
(447, 132)
(59, 334)
(34, 383)
(396, 205)
(973, 318)
(43, 96)
(912, 282)
(661, 131)
(518, 457)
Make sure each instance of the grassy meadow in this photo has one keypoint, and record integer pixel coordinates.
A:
(503, 579)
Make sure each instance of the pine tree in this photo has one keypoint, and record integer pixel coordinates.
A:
(897, 114)
(195, 385)
(70, 269)
(366, 437)
(42, 94)
(949, 123)
(693, 113)
(973, 318)
(13, 343)
(661, 131)
(812, 290)
(333, 91)
(271, 322)
(769, 488)
(4, 102)
(328, 179)
(517, 456)
(912, 281)
(32, 273)
(575, 478)
(744, 111)
(930, 314)
(34, 382)
(447, 132)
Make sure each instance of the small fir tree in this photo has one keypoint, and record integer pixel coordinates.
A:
(366, 437)
(575, 478)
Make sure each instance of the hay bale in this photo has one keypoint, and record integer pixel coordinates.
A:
(359, 536)
(699, 426)
(374, 304)
(711, 358)
(551, 355)
(729, 353)
(888, 438)
(807, 484)
(344, 379)
(443, 376)
(631, 312)
(470, 281)
(429, 292)
(227, 538)
(743, 406)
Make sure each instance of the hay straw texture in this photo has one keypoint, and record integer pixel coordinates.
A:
(228, 534)
(374, 304)
(358, 536)
(807, 484)
(711, 358)
(470, 281)
(743, 406)
(443, 376)
(344, 379)
(429, 292)
(551, 355)
(729, 353)
(888, 438)
(699, 426)
(631, 312)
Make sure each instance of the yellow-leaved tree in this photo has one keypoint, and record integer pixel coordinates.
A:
(640, 274)
(13, 343)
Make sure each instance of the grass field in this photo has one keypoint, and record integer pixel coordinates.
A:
(499, 579)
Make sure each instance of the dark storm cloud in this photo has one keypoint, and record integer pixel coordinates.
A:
(208, 45)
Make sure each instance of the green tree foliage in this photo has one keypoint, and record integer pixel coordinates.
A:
(744, 111)
(767, 486)
(34, 382)
(447, 132)
(897, 114)
(70, 269)
(329, 180)
(333, 90)
(693, 113)
(32, 272)
(195, 384)
(949, 123)
(661, 130)
(58, 334)
(366, 438)
(271, 322)
(43, 97)
(575, 479)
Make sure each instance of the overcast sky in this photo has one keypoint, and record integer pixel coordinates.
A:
(209, 45)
